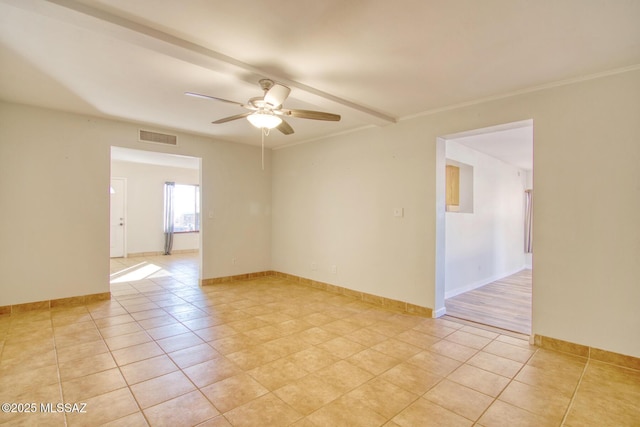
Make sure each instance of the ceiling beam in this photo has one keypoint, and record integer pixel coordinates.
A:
(98, 20)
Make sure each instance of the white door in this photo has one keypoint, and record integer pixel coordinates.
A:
(118, 197)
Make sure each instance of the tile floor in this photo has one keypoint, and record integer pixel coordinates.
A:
(267, 352)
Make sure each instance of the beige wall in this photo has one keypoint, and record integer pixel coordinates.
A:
(54, 170)
(333, 204)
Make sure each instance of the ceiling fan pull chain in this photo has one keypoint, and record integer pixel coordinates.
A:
(264, 131)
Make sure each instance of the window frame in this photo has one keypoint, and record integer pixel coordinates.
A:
(196, 188)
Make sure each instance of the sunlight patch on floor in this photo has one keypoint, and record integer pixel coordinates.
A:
(141, 271)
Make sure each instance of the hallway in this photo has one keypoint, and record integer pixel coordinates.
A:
(505, 303)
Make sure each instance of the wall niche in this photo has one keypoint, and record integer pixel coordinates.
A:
(459, 187)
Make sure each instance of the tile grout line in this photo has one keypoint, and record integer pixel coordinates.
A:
(505, 387)
(5, 334)
(55, 348)
(140, 293)
(93, 320)
(119, 367)
(303, 416)
(369, 380)
(180, 369)
(220, 413)
(366, 382)
(419, 396)
(575, 392)
(445, 377)
(462, 364)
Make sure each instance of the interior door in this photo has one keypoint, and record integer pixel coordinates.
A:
(117, 224)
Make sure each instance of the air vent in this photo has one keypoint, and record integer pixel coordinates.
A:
(158, 138)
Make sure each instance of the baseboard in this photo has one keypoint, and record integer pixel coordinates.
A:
(225, 279)
(158, 253)
(471, 287)
(587, 352)
(54, 303)
(440, 312)
(479, 284)
(386, 303)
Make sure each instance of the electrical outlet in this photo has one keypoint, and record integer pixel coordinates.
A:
(398, 212)
(334, 269)
(314, 266)
(234, 260)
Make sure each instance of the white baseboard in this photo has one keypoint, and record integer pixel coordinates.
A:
(440, 312)
(455, 292)
(452, 293)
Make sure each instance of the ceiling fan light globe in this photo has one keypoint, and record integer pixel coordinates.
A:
(264, 120)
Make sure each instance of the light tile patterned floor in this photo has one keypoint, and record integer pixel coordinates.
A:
(269, 352)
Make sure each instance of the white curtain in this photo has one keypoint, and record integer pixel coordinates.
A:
(528, 221)
(168, 216)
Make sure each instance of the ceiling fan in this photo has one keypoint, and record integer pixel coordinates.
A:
(266, 112)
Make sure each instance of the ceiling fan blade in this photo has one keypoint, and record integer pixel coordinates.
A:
(276, 95)
(285, 128)
(199, 95)
(314, 115)
(230, 118)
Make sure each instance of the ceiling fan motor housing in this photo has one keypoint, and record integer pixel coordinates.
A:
(266, 84)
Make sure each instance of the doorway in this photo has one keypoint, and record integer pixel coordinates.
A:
(117, 242)
(481, 257)
(137, 209)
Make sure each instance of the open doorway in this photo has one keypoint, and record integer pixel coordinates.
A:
(138, 207)
(118, 209)
(484, 268)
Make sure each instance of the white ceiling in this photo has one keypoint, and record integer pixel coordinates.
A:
(512, 142)
(373, 62)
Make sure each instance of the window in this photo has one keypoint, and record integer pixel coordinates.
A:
(186, 208)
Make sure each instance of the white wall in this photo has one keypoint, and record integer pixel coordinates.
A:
(54, 170)
(145, 205)
(333, 202)
(487, 244)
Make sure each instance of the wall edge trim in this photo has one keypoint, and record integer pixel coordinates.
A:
(591, 353)
(55, 303)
